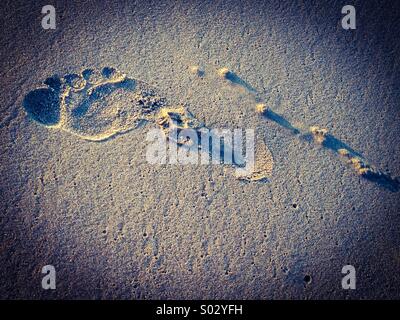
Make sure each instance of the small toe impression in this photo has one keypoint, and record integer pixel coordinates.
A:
(128, 84)
(43, 105)
(92, 76)
(54, 82)
(75, 81)
(112, 74)
(108, 72)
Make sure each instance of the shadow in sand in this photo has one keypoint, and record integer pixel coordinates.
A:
(332, 143)
(281, 121)
(378, 177)
(382, 179)
(335, 145)
(234, 78)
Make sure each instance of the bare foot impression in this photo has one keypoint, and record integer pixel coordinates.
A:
(93, 105)
(97, 105)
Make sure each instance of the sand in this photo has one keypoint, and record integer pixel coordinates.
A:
(78, 193)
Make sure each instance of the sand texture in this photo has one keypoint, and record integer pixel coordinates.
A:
(77, 192)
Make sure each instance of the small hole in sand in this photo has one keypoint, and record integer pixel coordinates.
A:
(307, 278)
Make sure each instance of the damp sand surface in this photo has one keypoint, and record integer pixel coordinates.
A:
(78, 193)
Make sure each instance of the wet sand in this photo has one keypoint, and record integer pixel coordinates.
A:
(115, 226)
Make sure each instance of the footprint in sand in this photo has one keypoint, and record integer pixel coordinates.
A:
(93, 105)
(98, 105)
